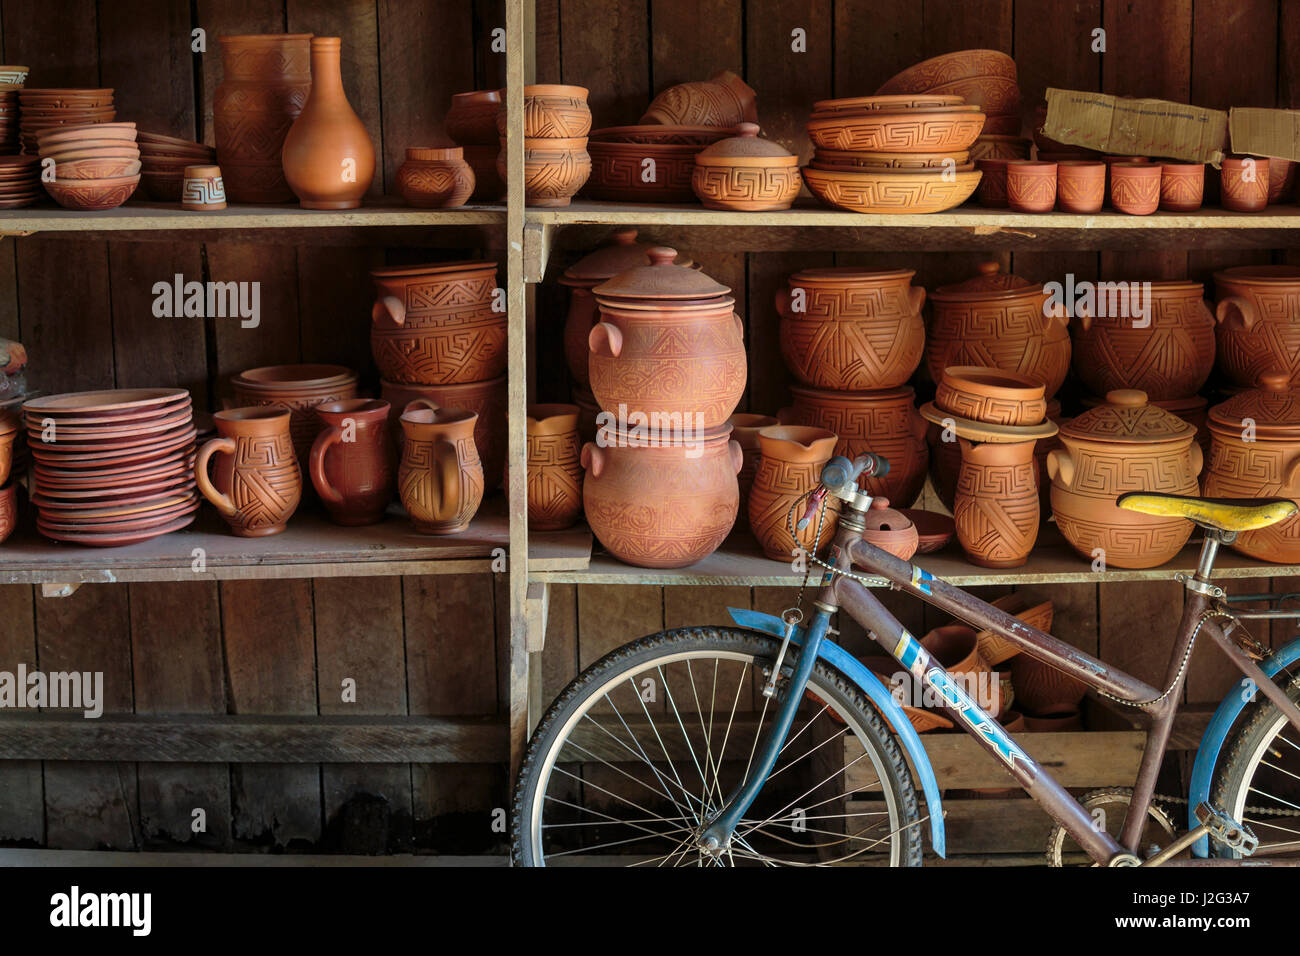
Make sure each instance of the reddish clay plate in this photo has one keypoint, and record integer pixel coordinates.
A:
(105, 400)
(115, 539)
(63, 494)
(107, 525)
(122, 456)
(61, 447)
(110, 472)
(933, 530)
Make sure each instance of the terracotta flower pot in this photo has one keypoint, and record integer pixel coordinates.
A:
(256, 484)
(661, 504)
(956, 648)
(1135, 188)
(746, 173)
(992, 190)
(351, 462)
(891, 531)
(440, 478)
(487, 400)
(1080, 186)
(1168, 355)
(996, 503)
(1031, 186)
(299, 388)
(435, 177)
(472, 119)
(850, 329)
(744, 432)
(552, 111)
(554, 467)
(1243, 184)
(790, 466)
(991, 395)
(1258, 308)
(554, 170)
(1182, 186)
(722, 100)
(1122, 446)
(1281, 179)
(1042, 689)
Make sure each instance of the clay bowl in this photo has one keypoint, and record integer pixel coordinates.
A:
(472, 118)
(848, 159)
(934, 530)
(895, 103)
(293, 378)
(656, 135)
(554, 170)
(924, 76)
(122, 131)
(616, 172)
(1042, 689)
(995, 95)
(1002, 124)
(92, 152)
(891, 531)
(93, 194)
(552, 111)
(940, 130)
(991, 396)
(891, 191)
(71, 97)
(97, 168)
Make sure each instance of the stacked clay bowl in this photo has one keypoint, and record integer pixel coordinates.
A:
(112, 467)
(299, 388)
(12, 79)
(472, 125)
(986, 78)
(20, 181)
(892, 154)
(619, 155)
(45, 109)
(556, 162)
(746, 173)
(1127, 444)
(95, 166)
(163, 160)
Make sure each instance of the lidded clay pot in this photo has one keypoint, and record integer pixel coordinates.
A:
(890, 530)
(1259, 462)
(791, 463)
(1259, 322)
(1125, 445)
(746, 173)
(998, 321)
(745, 427)
(668, 344)
(554, 467)
(851, 329)
(434, 177)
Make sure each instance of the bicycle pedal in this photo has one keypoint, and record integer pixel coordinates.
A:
(1231, 833)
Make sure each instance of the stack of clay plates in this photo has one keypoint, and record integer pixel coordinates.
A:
(45, 109)
(19, 181)
(164, 159)
(112, 467)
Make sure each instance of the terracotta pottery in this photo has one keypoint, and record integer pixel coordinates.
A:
(851, 329)
(1080, 186)
(991, 395)
(1262, 461)
(435, 177)
(487, 400)
(1182, 186)
(925, 76)
(488, 184)
(1122, 446)
(1135, 187)
(588, 413)
(620, 254)
(264, 86)
(8, 511)
(1054, 723)
(1002, 147)
(472, 119)
(891, 531)
(554, 467)
(934, 130)
(668, 345)
(299, 388)
(866, 159)
(902, 687)
(993, 184)
(1259, 322)
(620, 172)
(7, 448)
(934, 529)
(1042, 689)
(92, 194)
(552, 111)
(658, 503)
(746, 173)
(996, 649)
(722, 100)
(256, 484)
(883, 422)
(1042, 448)
(653, 134)
(1193, 410)
(891, 191)
(996, 503)
(894, 103)
(744, 432)
(1168, 353)
(790, 466)
(956, 648)
(203, 188)
(1031, 186)
(998, 321)
(440, 478)
(351, 463)
(554, 170)
(1243, 184)
(1281, 179)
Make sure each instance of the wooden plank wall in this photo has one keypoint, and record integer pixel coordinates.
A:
(420, 646)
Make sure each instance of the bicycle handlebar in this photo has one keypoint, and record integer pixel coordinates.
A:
(838, 475)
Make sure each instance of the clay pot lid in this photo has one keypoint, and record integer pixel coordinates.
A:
(992, 282)
(617, 256)
(662, 279)
(1274, 407)
(1128, 418)
(746, 144)
(1288, 275)
(430, 154)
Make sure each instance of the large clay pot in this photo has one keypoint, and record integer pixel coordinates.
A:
(264, 86)
(884, 423)
(1259, 322)
(658, 503)
(995, 506)
(487, 400)
(440, 478)
(998, 321)
(299, 388)
(1122, 446)
(554, 467)
(1260, 462)
(256, 484)
(1169, 356)
(668, 344)
(722, 100)
(329, 161)
(744, 432)
(851, 329)
(790, 467)
(351, 461)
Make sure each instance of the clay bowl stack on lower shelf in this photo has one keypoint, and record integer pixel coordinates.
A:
(163, 160)
(112, 467)
(45, 109)
(95, 166)
(20, 181)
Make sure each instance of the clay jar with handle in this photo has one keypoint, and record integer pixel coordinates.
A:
(440, 478)
(554, 467)
(657, 503)
(790, 466)
(722, 100)
(1122, 446)
(1260, 461)
(1168, 353)
(1259, 322)
(744, 432)
(998, 321)
(351, 462)
(329, 161)
(995, 506)
(668, 344)
(487, 400)
(255, 483)
(851, 329)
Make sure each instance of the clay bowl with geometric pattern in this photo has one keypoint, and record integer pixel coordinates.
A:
(991, 395)
(72, 134)
(891, 191)
(98, 149)
(93, 194)
(941, 129)
(893, 103)
(97, 168)
(866, 159)
(657, 135)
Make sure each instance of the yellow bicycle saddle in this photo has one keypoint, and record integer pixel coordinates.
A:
(1225, 514)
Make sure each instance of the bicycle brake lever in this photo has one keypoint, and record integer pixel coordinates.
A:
(814, 502)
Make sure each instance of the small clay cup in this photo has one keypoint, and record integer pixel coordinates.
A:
(1080, 186)
(202, 188)
(435, 177)
(1031, 185)
(1135, 188)
(992, 190)
(1243, 184)
(1182, 186)
(1281, 179)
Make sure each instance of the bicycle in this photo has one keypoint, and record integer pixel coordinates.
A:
(665, 752)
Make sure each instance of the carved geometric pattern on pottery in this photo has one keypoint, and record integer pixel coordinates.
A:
(203, 191)
(746, 185)
(918, 135)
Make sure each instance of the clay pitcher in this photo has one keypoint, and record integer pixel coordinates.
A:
(329, 161)
(351, 461)
(256, 484)
(793, 456)
(996, 505)
(554, 467)
(440, 478)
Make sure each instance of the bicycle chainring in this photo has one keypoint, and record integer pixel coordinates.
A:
(1107, 800)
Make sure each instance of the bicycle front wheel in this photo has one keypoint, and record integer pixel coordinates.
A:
(645, 747)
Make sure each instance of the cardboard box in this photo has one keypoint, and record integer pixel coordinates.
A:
(1265, 132)
(1131, 127)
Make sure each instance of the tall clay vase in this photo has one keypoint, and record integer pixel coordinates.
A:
(744, 432)
(265, 83)
(440, 478)
(329, 161)
(996, 505)
(351, 462)
(255, 484)
(791, 465)
(554, 467)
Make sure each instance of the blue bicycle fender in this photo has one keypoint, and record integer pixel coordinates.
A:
(880, 695)
(1216, 734)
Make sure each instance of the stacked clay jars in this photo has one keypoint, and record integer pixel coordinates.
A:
(667, 367)
(556, 162)
(1258, 309)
